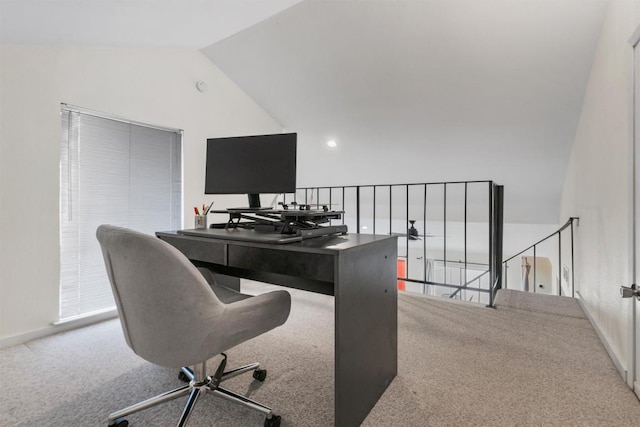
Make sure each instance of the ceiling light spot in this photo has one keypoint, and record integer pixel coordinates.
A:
(332, 143)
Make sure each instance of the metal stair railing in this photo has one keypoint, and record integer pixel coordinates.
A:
(534, 248)
(362, 206)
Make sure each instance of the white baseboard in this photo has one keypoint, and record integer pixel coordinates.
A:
(614, 357)
(57, 328)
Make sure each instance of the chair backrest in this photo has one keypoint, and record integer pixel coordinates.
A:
(166, 307)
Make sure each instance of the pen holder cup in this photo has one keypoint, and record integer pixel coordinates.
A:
(200, 221)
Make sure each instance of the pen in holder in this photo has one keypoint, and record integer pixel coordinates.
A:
(200, 221)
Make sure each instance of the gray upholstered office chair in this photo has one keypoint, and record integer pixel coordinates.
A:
(172, 317)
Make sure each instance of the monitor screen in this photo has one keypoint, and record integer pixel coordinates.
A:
(251, 165)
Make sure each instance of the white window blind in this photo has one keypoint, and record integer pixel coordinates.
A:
(111, 172)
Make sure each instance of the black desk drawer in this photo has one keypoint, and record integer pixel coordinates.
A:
(198, 249)
(289, 263)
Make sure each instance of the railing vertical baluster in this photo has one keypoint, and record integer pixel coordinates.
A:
(406, 226)
(390, 211)
(492, 276)
(534, 269)
(465, 233)
(374, 208)
(559, 264)
(444, 239)
(344, 208)
(331, 202)
(358, 209)
(498, 216)
(424, 242)
(573, 276)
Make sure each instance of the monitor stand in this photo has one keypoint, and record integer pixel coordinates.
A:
(254, 204)
(254, 200)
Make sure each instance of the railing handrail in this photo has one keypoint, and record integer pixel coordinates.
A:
(560, 230)
(444, 285)
(313, 187)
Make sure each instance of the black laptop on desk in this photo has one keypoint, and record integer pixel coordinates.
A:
(242, 234)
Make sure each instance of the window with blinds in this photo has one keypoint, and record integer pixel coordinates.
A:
(111, 172)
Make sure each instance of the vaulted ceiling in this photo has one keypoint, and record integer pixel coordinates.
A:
(130, 23)
(431, 90)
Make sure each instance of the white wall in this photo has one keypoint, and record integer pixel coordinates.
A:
(598, 179)
(151, 86)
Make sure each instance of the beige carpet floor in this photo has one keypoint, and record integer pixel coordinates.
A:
(460, 364)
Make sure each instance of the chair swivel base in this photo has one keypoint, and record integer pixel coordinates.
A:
(200, 383)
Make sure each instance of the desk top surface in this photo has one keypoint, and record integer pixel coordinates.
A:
(242, 237)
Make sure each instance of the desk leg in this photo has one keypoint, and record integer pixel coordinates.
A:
(366, 322)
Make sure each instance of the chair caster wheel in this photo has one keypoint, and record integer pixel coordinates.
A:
(260, 375)
(121, 422)
(183, 377)
(274, 421)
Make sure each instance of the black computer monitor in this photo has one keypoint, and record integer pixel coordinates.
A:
(251, 165)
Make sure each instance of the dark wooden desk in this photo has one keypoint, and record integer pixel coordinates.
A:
(358, 269)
